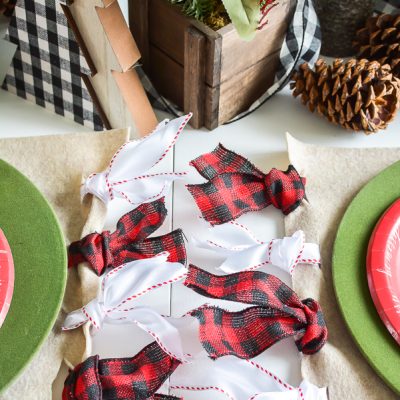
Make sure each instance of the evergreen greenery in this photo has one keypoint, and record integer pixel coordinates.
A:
(199, 9)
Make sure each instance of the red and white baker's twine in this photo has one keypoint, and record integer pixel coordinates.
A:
(128, 299)
(219, 389)
(158, 340)
(111, 186)
(176, 136)
(296, 248)
(133, 297)
(202, 388)
(158, 285)
(275, 378)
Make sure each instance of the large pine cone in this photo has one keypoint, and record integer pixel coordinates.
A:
(380, 40)
(358, 94)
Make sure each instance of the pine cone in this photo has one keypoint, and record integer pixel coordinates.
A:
(380, 40)
(7, 7)
(358, 94)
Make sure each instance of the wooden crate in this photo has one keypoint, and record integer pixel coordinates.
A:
(214, 74)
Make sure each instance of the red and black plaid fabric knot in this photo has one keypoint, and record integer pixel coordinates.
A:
(235, 186)
(285, 189)
(130, 241)
(277, 313)
(135, 378)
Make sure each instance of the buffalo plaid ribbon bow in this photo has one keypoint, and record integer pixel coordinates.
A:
(130, 241)
(278, 314)
(235, 186)
(135, 378)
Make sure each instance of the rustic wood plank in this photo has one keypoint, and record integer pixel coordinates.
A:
(238, 55)
(166, 75)
(240, 91)
(166, 28)
(213, 61)
(166, 31)
(212, 52)
(194, 75)
(139, 25)
(211, 107)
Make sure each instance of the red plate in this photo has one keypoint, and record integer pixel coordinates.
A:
(6, 277)
(383, 268)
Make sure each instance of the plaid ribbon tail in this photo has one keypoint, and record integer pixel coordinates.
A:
(172, 242)
(221, 161)
(235, 186)
(279, 313)
(133, 378)
(103, 250)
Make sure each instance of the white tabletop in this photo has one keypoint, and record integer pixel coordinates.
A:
(261, 138)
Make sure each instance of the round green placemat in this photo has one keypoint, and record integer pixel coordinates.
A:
(349, 274)
(40, 262)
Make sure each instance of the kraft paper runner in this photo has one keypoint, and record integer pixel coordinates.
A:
(334, 176)
(55, 164)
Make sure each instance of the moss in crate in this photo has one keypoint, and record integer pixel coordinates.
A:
(211, 12)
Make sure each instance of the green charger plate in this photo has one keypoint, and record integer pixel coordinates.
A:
(350, 279)
(40, 261)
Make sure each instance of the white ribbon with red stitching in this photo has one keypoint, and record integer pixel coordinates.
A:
(129, 175)
(242, 251)
(178, 337)
(240, 380)
(115, 303)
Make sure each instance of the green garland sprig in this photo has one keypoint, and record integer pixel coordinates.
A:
(199, 9)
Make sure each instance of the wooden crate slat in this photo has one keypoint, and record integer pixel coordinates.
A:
(166, 75)
(238, 54)
(238, 93)
(211, 107)
(194, 75)
(139, 25)
(166, 28)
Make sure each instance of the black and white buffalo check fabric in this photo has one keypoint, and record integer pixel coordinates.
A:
(302, 44)
(48, 65)
(387, 6)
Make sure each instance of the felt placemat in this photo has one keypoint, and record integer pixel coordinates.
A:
(334, 177)
(56, 164)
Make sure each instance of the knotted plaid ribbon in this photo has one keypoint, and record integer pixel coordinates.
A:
(236, 186)
(135, 378)
(130, 241)
(278, 314)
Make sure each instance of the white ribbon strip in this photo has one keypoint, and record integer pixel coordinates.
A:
(240, 380)
(115, 302)
(236, 378)
(129, 175)
(242, 251)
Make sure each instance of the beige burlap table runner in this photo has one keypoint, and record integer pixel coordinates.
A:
(55, 164)
(334, 176)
